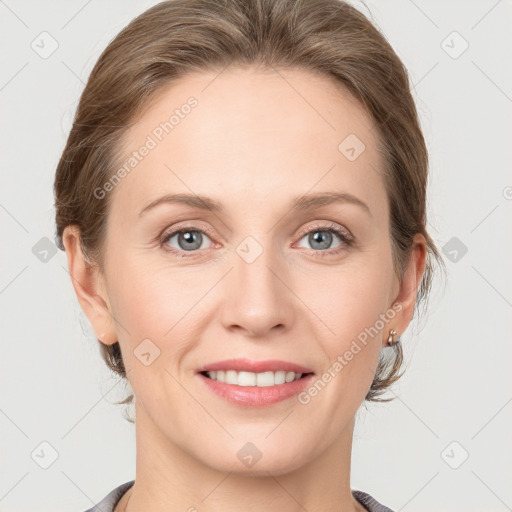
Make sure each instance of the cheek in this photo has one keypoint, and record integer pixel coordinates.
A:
(147, 305)
(354, 305)
(351, 310)
(352, 299)
(155, 301)
(151, 307)
(152, 294)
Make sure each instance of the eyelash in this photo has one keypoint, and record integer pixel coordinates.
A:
(346, 239)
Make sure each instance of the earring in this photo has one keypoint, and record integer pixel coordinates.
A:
(391, 339)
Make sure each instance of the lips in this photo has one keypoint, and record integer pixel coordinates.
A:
(247, 383)
(246, 365)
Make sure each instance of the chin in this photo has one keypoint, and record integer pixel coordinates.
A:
(258, 458)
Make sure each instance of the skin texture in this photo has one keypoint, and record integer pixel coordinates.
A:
(256, 140)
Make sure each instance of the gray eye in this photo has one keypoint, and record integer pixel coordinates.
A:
(188, 239)
(323, 239)
(320, 239)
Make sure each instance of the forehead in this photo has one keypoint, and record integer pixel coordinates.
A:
(252, 135)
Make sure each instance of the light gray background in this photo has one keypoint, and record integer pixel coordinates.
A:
(55, 388)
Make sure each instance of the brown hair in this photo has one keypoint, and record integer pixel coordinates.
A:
(327, 37)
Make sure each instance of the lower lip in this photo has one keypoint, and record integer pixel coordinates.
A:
(253, 396)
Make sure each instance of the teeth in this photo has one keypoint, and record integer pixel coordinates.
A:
(260, 380)
(246, 379)
(265, 379)
(231, 377)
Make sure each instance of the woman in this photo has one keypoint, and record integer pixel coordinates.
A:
(242, 202)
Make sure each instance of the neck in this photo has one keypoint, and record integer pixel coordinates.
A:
(169, 479)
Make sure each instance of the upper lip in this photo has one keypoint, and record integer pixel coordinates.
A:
(246, 365)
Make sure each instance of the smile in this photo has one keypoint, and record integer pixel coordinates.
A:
(261, 380)
(255, 383)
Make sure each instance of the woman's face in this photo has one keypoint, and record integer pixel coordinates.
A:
(259, 272)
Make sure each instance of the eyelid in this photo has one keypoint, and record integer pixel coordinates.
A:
(327, 226)
(343, 233)
(304, 231)
(185, 226)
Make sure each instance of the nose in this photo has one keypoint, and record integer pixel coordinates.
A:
(256, 300)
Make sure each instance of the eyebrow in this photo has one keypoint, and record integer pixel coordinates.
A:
(302, 203)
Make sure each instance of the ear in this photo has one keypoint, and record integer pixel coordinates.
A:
(411, 280)
(89, 286)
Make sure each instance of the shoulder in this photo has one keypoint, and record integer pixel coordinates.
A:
(369, 502)
(108, 503)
